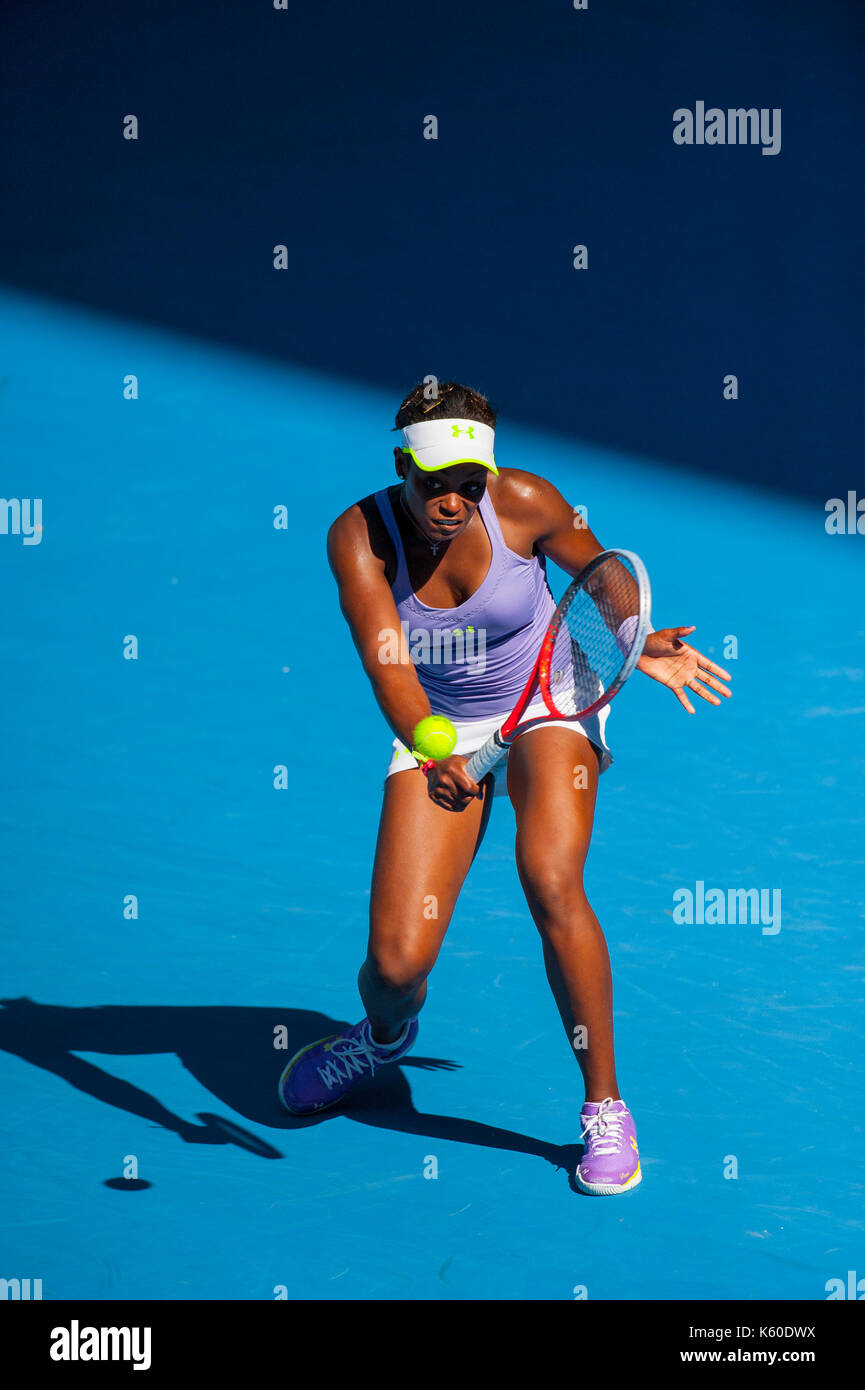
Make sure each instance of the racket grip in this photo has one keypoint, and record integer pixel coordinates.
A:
(485, 758)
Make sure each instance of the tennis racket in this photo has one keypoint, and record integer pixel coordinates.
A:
(594, 641)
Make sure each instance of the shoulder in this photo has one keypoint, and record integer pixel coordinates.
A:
(526, 497)
(358, 536)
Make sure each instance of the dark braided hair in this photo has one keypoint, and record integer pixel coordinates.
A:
(452, 401)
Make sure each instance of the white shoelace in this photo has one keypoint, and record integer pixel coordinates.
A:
(354, 1053)
(605, 1130)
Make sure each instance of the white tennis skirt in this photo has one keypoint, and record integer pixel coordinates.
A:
(473, 734)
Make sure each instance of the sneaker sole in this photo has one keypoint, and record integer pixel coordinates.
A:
(608, 1189)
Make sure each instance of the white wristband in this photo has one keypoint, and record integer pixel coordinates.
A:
(625, 633)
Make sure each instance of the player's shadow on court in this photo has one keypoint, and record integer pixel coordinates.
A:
(231, 1052)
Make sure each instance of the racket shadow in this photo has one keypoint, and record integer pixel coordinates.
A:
(231, 1053)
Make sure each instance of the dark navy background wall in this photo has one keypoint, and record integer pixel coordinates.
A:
(453, 256)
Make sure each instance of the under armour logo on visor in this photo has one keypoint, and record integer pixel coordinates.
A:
(470, 431)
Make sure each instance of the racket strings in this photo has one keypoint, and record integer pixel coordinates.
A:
(587, 659)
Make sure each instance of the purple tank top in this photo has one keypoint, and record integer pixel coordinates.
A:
(473, 661)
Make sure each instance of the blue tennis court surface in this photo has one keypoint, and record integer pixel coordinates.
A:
(146, 786)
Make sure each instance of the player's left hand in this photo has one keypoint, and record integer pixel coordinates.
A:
(672, 662)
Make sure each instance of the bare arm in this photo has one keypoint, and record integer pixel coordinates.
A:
(550, 520)
(573, 546)
(368, 607)
(665, 657)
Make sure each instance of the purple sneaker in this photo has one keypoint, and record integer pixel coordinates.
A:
(611, 1162)
(321, 1073)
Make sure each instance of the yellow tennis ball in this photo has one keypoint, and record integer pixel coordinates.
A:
(435, 737)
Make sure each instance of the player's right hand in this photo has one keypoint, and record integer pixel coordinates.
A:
(449, 785)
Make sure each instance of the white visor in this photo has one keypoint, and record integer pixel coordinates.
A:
(441, 443)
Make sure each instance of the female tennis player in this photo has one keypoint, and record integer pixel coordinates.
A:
(459, 546)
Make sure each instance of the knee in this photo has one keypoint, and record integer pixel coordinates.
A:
(556, 895)
(397, 969)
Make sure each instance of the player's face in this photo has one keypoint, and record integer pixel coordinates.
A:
(443, 503)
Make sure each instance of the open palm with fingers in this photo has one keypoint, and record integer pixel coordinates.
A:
(672, 662)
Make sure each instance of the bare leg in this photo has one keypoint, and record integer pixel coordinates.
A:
(422, 857)
(554, 826)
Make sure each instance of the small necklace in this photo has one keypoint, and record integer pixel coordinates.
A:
(434, 547)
